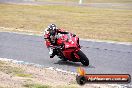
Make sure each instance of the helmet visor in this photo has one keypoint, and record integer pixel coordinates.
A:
(52, 32)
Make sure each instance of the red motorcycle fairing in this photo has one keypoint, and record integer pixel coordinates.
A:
(68, 48)
(71, 47)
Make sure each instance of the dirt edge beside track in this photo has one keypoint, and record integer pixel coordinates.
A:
(28, 76)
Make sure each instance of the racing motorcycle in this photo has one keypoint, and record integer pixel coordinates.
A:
(69, 49)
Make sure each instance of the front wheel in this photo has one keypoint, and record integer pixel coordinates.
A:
(83, 58)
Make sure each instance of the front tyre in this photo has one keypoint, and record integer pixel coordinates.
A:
(83, 58)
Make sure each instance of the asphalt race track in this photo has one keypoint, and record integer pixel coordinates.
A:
(104, 57)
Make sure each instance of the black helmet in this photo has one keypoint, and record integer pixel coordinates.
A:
(52, 29)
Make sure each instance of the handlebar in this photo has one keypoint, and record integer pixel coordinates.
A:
(58, 47)
(45, 38)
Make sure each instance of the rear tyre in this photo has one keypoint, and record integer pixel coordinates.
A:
(83, 58)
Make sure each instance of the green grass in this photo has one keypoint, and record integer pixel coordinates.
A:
(36, 86)
(24, 75)
(91, 1)
(67, 86)
(47, 86)
(2, 87)
(2, 63)
(86, 22)
(4, 67)
(8, 69)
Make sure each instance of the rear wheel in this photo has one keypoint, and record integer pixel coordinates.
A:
(83, 58)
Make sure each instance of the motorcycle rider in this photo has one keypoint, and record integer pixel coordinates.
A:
(51, 36)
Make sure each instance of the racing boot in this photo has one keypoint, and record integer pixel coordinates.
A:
(51, 53)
